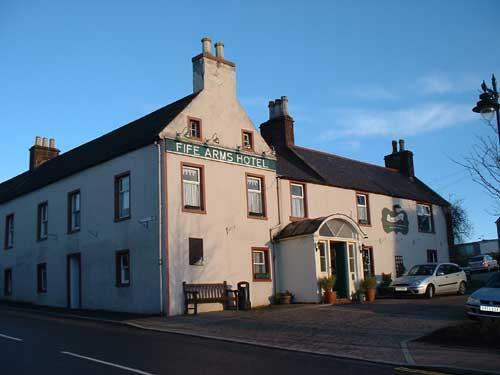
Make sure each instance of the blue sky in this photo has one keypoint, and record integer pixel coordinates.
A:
(357, 74)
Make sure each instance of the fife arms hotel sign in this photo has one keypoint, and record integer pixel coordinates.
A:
(219, 154)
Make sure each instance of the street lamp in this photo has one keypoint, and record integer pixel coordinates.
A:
(488, 105)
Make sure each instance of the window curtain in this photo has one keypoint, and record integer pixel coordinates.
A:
(255, 202)
(191, 195)
(297, 207)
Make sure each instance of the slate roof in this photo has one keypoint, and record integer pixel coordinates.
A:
(130, 137)
(303, 164)
(300, 227)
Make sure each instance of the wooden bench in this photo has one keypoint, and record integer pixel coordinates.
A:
(195, 294)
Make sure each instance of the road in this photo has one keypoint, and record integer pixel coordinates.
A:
(38, 344)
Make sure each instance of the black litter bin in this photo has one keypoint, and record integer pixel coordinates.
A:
(244, 296)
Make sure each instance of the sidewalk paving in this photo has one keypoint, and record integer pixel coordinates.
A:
(381, 332)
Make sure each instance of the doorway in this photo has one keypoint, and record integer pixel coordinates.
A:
(339, 267)
(74, 281)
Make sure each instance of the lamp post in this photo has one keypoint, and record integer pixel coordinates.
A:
(488, 105)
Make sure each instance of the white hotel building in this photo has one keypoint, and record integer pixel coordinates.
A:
(194, 193)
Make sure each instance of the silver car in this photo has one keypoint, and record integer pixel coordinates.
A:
(485, 302)
(483, 263)
(431, 279)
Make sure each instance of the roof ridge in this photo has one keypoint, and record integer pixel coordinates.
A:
(346, 158)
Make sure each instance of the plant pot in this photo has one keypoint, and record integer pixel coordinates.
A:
(370, 294)
(285, 300)
(329, 297)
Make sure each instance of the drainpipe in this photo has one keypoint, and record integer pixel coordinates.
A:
(275, 277)
(160, 225)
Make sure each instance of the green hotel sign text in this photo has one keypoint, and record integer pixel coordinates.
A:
(219, 154)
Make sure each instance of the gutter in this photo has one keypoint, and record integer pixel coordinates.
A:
(160, 225)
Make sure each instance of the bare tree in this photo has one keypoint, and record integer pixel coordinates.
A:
(483, 164)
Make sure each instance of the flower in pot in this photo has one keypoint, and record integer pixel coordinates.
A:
(327, 284)
(285, 298)
(370, 286)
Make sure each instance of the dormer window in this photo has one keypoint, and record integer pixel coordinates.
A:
(194, 128)
(247, 140)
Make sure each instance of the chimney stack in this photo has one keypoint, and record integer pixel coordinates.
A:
(42, 151)
(278, 130)
(213, 72)
(401, 159)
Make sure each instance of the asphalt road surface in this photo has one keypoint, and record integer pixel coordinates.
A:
(38, 344)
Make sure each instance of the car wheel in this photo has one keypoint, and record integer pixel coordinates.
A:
(429, 292)
(462, 288)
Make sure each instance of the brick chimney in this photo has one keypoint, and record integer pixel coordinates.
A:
(278, 130)
(401, 159)
(213, 72)
(42, 151)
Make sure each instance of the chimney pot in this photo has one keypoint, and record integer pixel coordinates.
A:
(38, 140)
(206, 43)
(45, 142)
(52, 143)
(271, 109)
(401, 145)
(219, 50)
(394, 146)
(284, 105)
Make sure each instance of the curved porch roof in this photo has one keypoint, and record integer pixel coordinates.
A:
(311, 226)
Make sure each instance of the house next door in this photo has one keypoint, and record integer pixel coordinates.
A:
(74, 280)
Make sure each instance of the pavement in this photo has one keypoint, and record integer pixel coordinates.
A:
(382, 332)
(33, 342)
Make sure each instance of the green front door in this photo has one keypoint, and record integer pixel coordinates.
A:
(338, 252)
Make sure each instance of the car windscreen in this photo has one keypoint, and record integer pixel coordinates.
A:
(494, 281)
(422, 270)
(476, 259)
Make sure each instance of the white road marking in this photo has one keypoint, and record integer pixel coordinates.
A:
(107, 363)
(10, 337)
(406, 353)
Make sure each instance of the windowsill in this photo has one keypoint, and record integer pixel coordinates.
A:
(8, 247)
(41, 292)
(118, 219)
(297, 218)
(193, 210)
(424, 231)
(262, 280)
(365, 223)
(42, 239)
(256, 216)
(120, 285)
(74, 231)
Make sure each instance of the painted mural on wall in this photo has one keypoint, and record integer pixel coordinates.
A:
(395, 220)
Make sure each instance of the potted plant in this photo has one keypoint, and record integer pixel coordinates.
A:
(327, 284)
(358, 296)
(370, 286)
(285, 298)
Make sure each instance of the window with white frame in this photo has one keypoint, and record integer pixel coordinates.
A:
(41, 278)
(123, 268)
(9, 231)
(351, 252)
(400, 267)
(322, 256)
(192, 188)
(363, 210)
(424, 215)
(74, 212)
(260, 264)
(43, 221)
(247, 140)
(255, 196)
(297, 193)
(194, 129)
(122, 196)
(432, 256)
